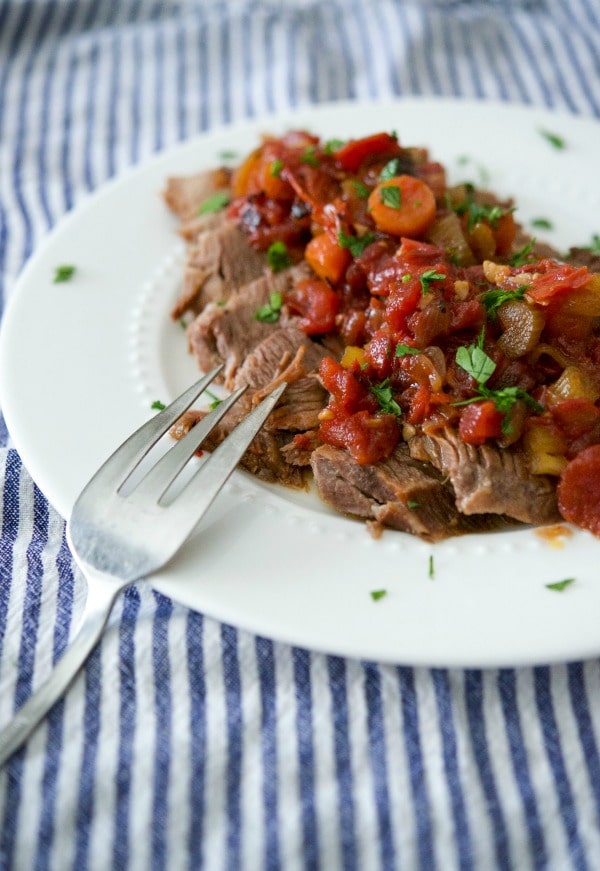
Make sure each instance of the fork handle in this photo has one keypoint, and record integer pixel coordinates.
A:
(100, 600)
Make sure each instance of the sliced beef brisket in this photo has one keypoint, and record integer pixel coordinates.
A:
(488, 479)
(185, 194)
(220, 261)
(400, 492)
(584, 257)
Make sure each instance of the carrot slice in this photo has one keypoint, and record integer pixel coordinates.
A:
(402, 206)
(579, 490)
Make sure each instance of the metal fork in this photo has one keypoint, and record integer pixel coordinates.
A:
(119, 537)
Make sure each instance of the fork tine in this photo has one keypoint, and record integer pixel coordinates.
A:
(117, 468)
(157, 480)
(199, 493)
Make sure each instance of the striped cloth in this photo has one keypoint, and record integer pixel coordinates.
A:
(188, 744)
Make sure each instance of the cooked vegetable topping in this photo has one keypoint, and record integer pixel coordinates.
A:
(431, 326)
(158, 405)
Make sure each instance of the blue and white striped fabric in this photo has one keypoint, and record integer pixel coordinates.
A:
(187, 744)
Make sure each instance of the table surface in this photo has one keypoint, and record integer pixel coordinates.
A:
(186, 743)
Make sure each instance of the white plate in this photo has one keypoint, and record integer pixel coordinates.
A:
(81, 362)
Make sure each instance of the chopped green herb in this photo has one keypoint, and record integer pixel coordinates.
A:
(542, 224)
(493, 298)
(559, 586)
(355, 244)
(278, 256)
(555, 141)
(270, 311)
(391, 197)
(403, 350)
(378, 594)
(431, 567)
(462, 159)
(523, 255)
(428, 277)
(594, 246)
(63, 273)
(221, 302)
(383, 394)
(333, 145)
(158, 405)
(390, 170)
(412, 504)
(276, 167)
(228, 155)
(476, 362)
(477, 212)
(406, 278)
(309, 156)
(182, 324)
(215, 399)
(215, 203)
(361, 189)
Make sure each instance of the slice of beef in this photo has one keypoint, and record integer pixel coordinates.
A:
(282, 343)
(185, 194)
(400, 492)
(488, 479)
(192, 229)
(228, 333)
(299, 451)
(220, 261)
(584, 257)
(263, 458)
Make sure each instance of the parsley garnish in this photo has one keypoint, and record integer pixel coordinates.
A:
(333, 145)
(403, 350)
(158, 405)
(594, 246)
(228, 155)
(355, 244)
(63, 273)
(542, 223)
(390, 170)
(477, 212)
(391, 196)
(493, 298)
(215, 399)
(476, 362)
(276, 167)
(309, 156)
(412, 504)
(378, 594)
(383, 394)
(431, 567)
(428, 277)
(559, 586)
(214, 203)
(278, 256)
(270, 311)
(361, 189)
(521, 257)
(556, 141)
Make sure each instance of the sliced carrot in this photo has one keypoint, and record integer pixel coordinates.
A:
(402, 206)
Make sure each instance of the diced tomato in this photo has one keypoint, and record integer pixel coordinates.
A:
(419, 404)
(429, 323)
(561, 278)
(380, 352)
(346, 389)
(368, 437)
(325, 256)
(579, 490)
(418, 255)
(479, 422)
(579, 421)
(317, 304)
(467, 314)
(354, 153)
